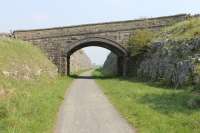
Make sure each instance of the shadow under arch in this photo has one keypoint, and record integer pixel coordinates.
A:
(111, 45)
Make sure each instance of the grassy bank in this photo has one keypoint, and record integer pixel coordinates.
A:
(149, 108)
(31, 106)
(30, 89)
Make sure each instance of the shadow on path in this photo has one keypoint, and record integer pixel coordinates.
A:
(89, 77)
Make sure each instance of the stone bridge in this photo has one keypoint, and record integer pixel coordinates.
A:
(61, 42)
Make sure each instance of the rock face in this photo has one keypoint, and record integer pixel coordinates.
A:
(79, 61)
(4, 35)
(173, 62)
(23, 61)
(110, 65)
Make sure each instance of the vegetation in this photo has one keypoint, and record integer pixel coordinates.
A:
(20, 60)
(77, 73)
(31, 106)
(30, 89)
(140, 41)
(183, 30)
(150, 108)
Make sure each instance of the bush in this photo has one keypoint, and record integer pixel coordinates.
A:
(194, 102)
(140, 40)
(196, 88)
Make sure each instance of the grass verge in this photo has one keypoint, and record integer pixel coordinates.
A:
(151, 109)
(76, 74)
(33, 105)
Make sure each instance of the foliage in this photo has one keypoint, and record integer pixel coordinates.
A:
(101, 74)
(77, 73)
(194, 102)
(98, 72)
(140, 41)
(150, 108)
(183, 30)
(173, 47)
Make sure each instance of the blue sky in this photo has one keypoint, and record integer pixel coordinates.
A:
(30, 14)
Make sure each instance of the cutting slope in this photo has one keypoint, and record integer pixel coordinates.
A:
(30, 89)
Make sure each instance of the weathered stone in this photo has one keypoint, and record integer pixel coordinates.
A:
(80, 61)
(6, 73)
(4, 35)
(110, 65)
(173, 62)
(59, 43)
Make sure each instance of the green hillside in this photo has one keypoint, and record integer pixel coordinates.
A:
(183, 30)
(30, 89)
(21, 60)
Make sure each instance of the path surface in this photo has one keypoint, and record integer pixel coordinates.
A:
(87, 110)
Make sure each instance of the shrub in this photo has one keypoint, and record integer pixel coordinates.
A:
(3, 111)
(194, 102)
(139, 41)
(196, 88)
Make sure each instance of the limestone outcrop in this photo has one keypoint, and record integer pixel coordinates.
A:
(110, 65)
(173, 62)
(4, 35)
(79, 61)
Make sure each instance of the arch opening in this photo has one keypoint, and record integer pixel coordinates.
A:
(114, 47)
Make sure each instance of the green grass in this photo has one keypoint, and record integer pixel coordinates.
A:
(187, 29)
(31, 91)
(32, 106)
(183, 30)
(77, 73)
(140, 41)
(151, 109)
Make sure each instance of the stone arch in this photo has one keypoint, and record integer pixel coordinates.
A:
(98, 41)
(111, 45)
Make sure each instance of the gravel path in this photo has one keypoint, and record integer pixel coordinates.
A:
(86, 110)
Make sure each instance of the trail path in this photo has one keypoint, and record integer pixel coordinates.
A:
(87, 110)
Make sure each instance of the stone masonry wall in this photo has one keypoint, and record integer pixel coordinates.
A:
(99, 27)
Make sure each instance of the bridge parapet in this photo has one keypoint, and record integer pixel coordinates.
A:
(98, 28)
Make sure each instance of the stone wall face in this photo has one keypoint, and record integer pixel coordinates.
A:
(110, 65)
(175, 63)
(4, 35)
(172, 62)
(79, 61)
